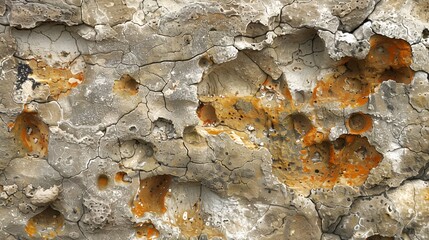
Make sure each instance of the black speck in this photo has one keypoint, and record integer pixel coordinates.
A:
(22, 75)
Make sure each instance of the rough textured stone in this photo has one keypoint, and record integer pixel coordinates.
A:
(174, 119)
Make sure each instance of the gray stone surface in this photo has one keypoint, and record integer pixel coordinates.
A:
(185, 119)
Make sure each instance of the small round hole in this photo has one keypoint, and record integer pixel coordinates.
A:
(204, 62)
(359, 123)
(102, 181)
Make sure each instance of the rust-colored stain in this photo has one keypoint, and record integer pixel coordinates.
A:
(271, 85)
(146, 230)
(59, 80)
(126, 86)
(355, 80)
(31, 133)
(359, 123)
(121, 177)
(348, 160)
(191, 224)
(46, 225)
(151, 195)
(303, 156)
(207, 113)
(313, 137)
(247, 112)
(102, 181)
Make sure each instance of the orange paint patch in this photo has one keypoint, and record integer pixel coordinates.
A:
(47, 224)
(359, 123)
(59, 80)
(353, 82)
(146, 230)
(151, 195)
(126, 86)
(102, 181)
(32, 133)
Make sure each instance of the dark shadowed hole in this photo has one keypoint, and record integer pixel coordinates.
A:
(205, 62)
(425, 33)
(301, 124)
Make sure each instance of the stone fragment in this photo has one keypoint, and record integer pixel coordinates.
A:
(44, 196)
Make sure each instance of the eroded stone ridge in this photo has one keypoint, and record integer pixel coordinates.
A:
(214, 119)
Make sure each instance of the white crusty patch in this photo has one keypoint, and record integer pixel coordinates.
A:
(43, 197)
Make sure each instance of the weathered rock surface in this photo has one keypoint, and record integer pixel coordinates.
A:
(173, 119)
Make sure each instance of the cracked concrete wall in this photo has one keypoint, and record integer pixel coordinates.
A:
(173, 119)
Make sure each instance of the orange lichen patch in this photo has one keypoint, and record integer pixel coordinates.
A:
(102, 181)
(146, 230)
(388, 53)
(242, 113)
(238, 112)
(126, 86)
(151, 195)
(359, 123)
(347, 161)
(353, 82)
(207, 114)
(303, 156)
(314, 136)
(59, 80)
(191, 224)
(298, 139)
(348, 90)
(47, 224)
(32, 133)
